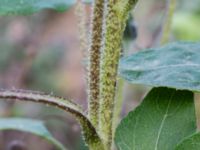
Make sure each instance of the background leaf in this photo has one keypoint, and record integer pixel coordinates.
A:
(10, 7)
(190, 143)
(31, 126)
(175, 65)
(164, 118)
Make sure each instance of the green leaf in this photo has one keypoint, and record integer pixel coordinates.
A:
(175, 65)
(190, 143)
(31, 126)
(17, 7)
(163, 119)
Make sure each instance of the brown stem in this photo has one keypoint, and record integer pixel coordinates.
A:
(94, 66)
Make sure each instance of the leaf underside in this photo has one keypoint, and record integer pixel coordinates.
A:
(25, 7)
(34, 127)
(175, 65)
(163, 119)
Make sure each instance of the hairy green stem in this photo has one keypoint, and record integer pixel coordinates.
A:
(91, 136)
(109, 73)
(168, 22)
(117, 14)
(94, 56)
(118, 104)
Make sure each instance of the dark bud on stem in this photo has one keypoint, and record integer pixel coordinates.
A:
(130, 32)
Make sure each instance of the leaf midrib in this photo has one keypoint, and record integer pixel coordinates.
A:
(163, 121)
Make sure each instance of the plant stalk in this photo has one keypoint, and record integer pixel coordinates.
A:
(116, 17)
(82, 22)
(91, 136)
(168, 22)
(118, 104)
(94, 59)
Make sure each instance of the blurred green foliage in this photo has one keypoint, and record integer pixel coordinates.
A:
(186, 26)
(186, 21)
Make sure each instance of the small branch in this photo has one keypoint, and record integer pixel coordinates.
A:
(95, 55)
(168, 22)
(91, 136)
